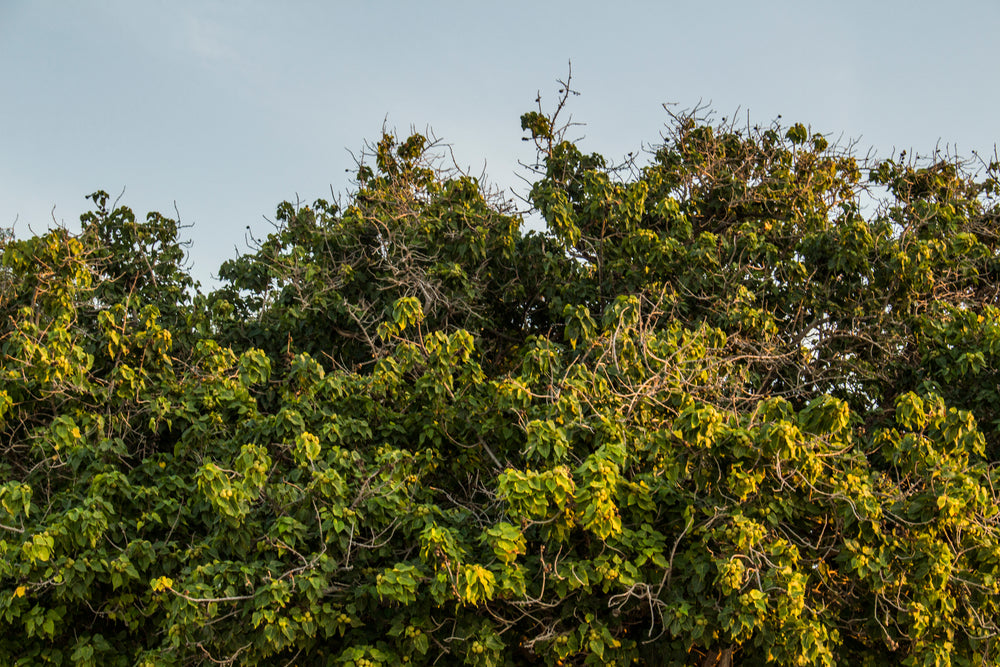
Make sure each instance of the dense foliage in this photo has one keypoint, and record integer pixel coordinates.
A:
(740, 404)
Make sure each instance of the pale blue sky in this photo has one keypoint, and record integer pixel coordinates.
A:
(229, 108)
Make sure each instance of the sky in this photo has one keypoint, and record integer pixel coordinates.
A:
(225, 109)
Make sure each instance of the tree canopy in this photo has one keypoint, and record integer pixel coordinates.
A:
(739, 403)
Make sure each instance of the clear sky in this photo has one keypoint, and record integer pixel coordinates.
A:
(228, 108)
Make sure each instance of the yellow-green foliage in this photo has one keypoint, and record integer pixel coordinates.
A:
(723, 410)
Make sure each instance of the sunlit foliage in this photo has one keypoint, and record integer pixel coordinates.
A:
(740, 404)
